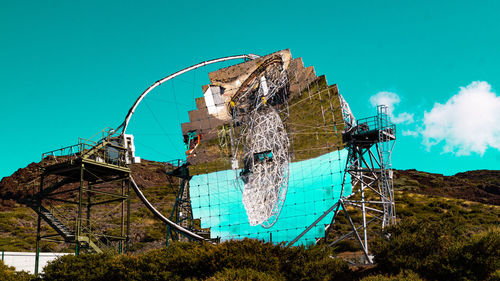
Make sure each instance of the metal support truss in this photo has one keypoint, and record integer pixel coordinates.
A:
(369, 145)
(182, 213)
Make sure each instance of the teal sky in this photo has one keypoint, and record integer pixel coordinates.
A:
(69, 69)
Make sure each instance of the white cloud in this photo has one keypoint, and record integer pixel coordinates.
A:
(404, 117)
(391, 100)
(409, 133)
(469, 122)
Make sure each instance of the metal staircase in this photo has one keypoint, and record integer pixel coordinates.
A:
(34, 203)
(55, 223)
(65, 232)
(89, 244)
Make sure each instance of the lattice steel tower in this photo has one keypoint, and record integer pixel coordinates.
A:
(370, 142)
(182, 213)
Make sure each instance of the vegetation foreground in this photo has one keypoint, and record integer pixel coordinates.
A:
(418, 250)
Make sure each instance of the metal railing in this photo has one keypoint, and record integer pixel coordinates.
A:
(102, 147)
(171, 165)
(66, 152)
(380, 122)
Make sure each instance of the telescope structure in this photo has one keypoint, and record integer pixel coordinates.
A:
(272, 152)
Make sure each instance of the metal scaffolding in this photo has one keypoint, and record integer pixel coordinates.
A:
(181, 213)
(370, 143)
(84, 178)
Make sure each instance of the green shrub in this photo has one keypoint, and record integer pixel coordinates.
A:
(8, 273)
(246, 258)
(476, 258)
(180, 260)
(495, 276)
(124, 267)
(416, 245)
(402, 276)
(81, 267)
(192, 260)
(347, 246)
(439, 250)
(313, 263)
(243, 274)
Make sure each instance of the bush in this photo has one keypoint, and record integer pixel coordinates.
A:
(8, 273)
(347, 246)
(439, 250)
(476, 258)
(243, 274)
(403, 276)
(495, 276)
(79, 268)
(244, 259)
(434, 250)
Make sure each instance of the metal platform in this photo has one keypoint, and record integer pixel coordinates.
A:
(82, 179)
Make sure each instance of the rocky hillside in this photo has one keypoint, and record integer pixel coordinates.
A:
(24, 182)
(481, 186)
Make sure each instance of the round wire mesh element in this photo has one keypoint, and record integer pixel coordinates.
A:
(266, 156)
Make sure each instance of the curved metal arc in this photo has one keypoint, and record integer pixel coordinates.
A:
(131, 111)
(162, 217)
